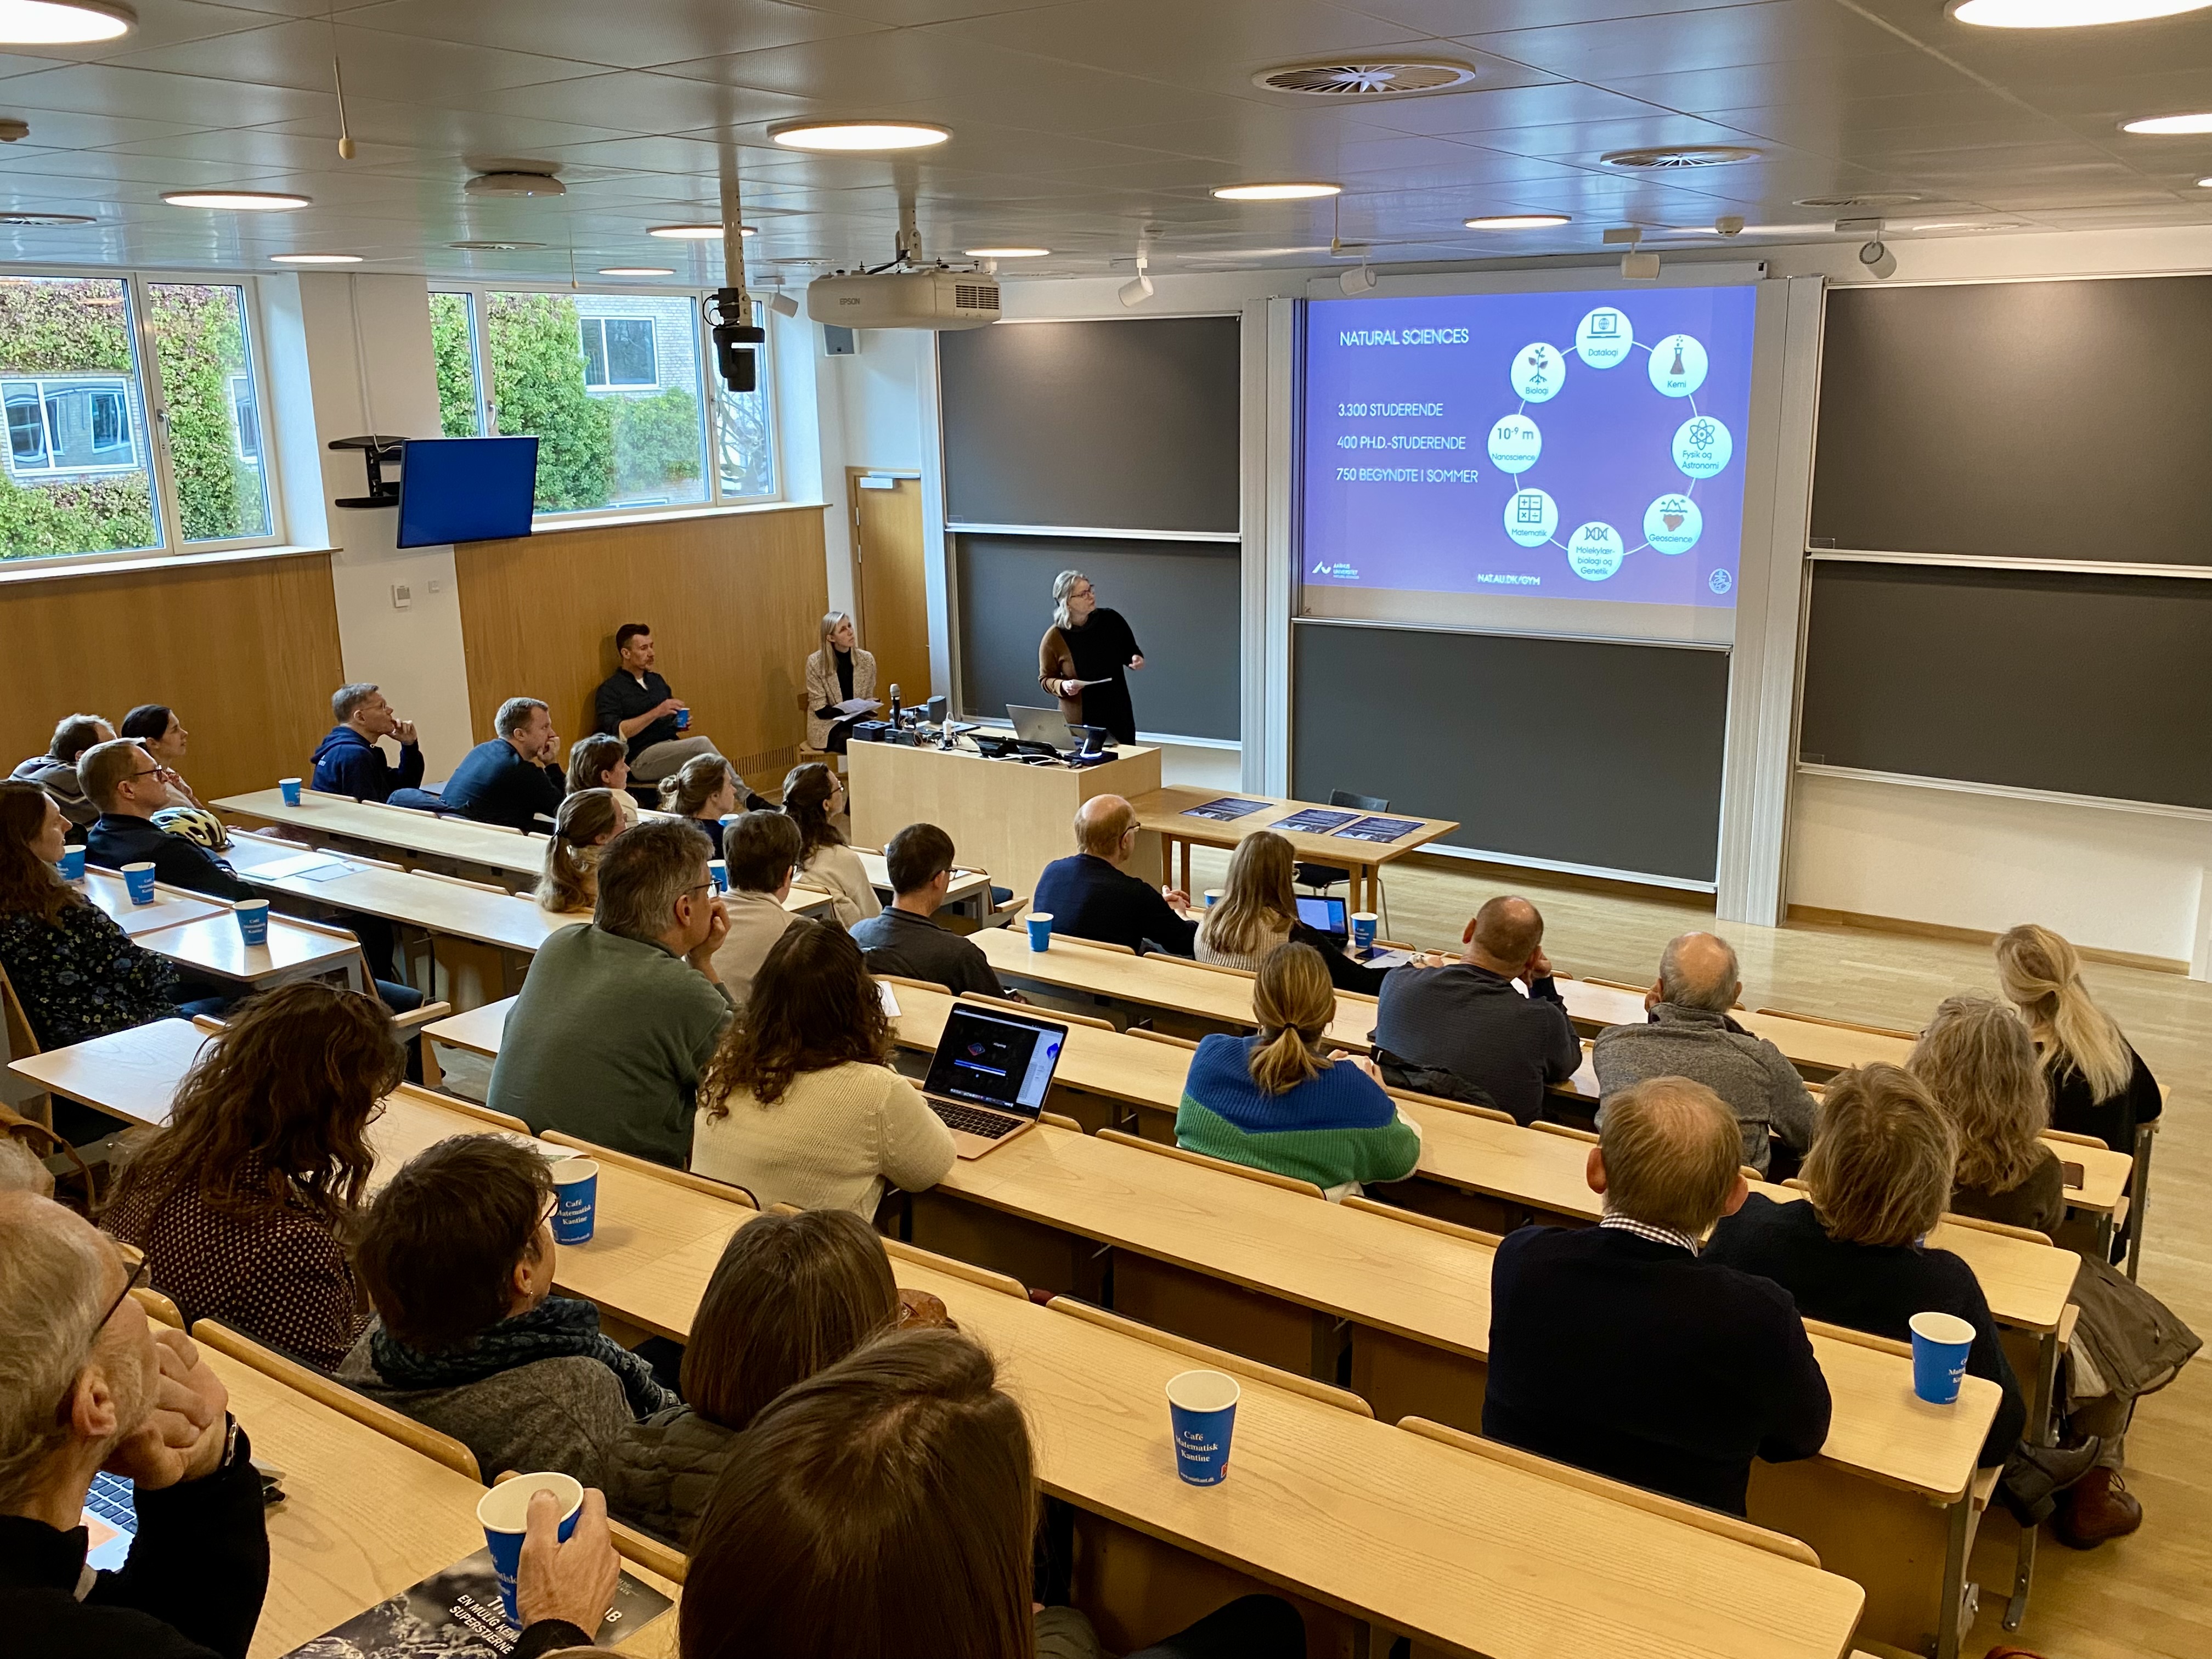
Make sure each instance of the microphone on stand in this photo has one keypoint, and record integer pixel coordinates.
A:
(895, 705)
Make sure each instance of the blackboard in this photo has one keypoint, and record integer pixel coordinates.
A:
(2047, 420)
(1128, 424)
(1572, 750)
(2085, 684)
(1181, 599)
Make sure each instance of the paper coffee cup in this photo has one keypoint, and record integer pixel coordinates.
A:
(504, 1512)
(1039, 922)
(138, 882)
(1202, 1412)
(1940, 1343)
(252, 919)
(291, 788)
(576, 1195)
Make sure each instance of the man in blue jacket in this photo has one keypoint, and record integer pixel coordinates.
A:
(516, 778)
(347, 761)
(1093, 896)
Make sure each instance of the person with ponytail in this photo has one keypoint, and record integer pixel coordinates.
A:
(588, 820)
(2099, 1083)
(1278, 1102)
(706, 790)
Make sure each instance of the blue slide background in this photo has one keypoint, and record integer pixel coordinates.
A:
(1418, 523)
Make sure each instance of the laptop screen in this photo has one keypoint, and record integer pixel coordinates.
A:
(1323, 914)
(997, 1059)
(111, 1519)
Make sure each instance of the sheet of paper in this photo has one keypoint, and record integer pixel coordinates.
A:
(310, 865)
(1379, 829)
(853, 706)
(1224, 811)
(1314, 820)
(890, 997)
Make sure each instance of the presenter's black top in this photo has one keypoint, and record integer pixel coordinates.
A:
(1089, 898)
(1634, 1358)
(495, 784)
(622, 697)
(1099, 650)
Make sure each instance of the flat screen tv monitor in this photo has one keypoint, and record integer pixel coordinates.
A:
(466, 489)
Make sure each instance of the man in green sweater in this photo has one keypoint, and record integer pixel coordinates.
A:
(618, 1019)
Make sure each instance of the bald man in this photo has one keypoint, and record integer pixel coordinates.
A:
(1618, 1349)
(1689, 1034)
(1091, 895)
(1468, 1020)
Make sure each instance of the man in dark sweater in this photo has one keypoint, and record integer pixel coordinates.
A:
(1092, 895)
(129, 786)
(1466, 1018)
(906, 939)
(515, 778)
(634, 704)
(347, 761)
(1618, 1349)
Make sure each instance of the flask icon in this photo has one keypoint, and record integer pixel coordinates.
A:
(1677, 367)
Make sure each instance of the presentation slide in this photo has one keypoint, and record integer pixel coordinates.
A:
(1552, 462)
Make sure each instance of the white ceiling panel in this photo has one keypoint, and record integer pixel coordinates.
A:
(665, 32)
(377, 64)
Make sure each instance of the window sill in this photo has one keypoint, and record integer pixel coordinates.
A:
(64, 569)
(554, 525)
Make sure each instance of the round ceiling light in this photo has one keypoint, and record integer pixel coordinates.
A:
(1516, 221)
(2063, 13)
(315, 258)
(47, 219)
(2201, 122)
(1005, 252)
(857, 134)
(636, 271)
(238, 201)
(1288, 191)
(696, 232)
(493, 247)
(514, 182)
(64, 22)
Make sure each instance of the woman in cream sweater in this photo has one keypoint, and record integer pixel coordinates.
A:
(800, 1104)
(813, 796)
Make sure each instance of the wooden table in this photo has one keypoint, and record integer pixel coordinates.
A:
(171, 905)
(295, 949)
(340, 818)
(130, 1074)
(1163, 813)
(363, 1518)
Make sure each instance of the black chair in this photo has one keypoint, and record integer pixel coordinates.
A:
(1322, 877)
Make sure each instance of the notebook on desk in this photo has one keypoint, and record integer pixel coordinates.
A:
(989, 1077)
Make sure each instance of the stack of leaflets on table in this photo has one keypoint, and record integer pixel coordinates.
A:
(1226, 809)
(1380, 828)
(1315, 821)
(457, 1615)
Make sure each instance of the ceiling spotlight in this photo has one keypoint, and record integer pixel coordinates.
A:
(2063, 13)
(857, 134)
(315, 258)
(636, 271)
(237, 201)
(1360, 279)
(782, 304)
(1034, 252)
(1288, 192)
(47, 219)
(2201, 122)
(515, 183)
(1878, 259)
(493, 247)
(1139, 288)
(696, 232)
(12, 130)
(1516, 221)
(63, 22)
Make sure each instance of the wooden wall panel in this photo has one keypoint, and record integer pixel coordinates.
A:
(734, 601)
(247, 652)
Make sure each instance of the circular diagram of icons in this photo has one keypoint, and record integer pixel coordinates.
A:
(1673, 524)
(1604, 337)
(1595, 551)
(1539, 371)
(1702, 446)
(1532, 518)
(1514, 444)
(1678, 365)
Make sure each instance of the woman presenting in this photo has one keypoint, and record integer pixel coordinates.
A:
(1086, 642)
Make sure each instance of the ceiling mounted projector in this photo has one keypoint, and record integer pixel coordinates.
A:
(515, 184)
(932, 298)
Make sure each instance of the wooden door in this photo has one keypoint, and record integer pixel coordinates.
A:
(893, 592)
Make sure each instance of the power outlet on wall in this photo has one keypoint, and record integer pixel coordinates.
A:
(402, 595)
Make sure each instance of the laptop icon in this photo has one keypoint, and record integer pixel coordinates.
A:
(990, 1074)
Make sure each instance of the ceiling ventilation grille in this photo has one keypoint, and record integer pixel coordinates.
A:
(1674, 157)
(1378, 79)
(975, 296)
(1871, 199)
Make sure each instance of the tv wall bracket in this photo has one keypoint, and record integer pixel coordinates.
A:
(378, 453)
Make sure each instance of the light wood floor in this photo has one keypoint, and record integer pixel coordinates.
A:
(2148, 1596)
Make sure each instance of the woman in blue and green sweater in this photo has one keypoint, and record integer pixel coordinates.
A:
(1278, 1102)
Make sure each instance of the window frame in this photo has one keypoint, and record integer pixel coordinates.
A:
(168, 525)
(708, 387)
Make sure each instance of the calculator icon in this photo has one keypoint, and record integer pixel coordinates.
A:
(1529, 508)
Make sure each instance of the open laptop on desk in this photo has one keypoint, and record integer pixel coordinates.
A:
(1047, 726)
(1324, 914)
(990, 1074)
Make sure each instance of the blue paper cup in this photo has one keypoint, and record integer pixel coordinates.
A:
(1202, 1409)
(72, 864)
(291, 788)
(576, 1200)
(1039, 922)
(684, 720)
(1362, 928)
(720, 872)
(252, 919)
(1940, 1342)
(505, 1513)
(138, 880)
(1212, 896)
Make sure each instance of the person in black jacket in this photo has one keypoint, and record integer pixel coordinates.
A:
(347, 761)
(1084, 657)
(1092, 895)
(2099, 1083)
(1622, 1349)
(130, 786)
(906, 938)
(516, 778)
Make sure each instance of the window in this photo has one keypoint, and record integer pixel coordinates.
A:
(618, 388)
(84, 364)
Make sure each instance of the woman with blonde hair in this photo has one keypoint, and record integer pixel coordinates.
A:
(1258, 911)
(1977, 1061)
(588, 820)
(813, 795)
(1279, 1102)
(707, 789)
(838, 672)
(2099, 1083)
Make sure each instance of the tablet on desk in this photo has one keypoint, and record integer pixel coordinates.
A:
(1323, 915)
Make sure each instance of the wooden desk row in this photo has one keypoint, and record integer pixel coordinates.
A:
(201, 934)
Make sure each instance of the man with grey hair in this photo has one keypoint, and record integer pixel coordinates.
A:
(55, 771)
(87, 1384)
(1093, 895)
(618, 1019)
(347, 761)
(515, 779)
(1690, 1034)
(1620, 1349)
